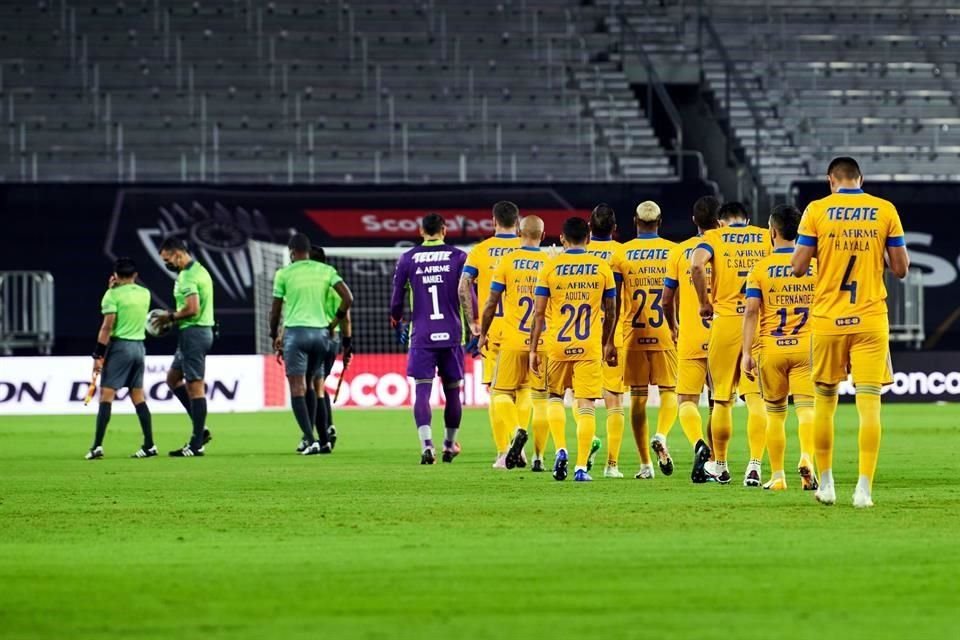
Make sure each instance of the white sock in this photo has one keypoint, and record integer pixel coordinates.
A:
(660, 437)
(826, 478)
(863, 484)
(720, 466)
(426, 433)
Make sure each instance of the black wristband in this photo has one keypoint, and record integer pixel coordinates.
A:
(341, 314)
(347, 342)
(99, 351)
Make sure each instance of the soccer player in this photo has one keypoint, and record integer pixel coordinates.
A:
(193, 295)
(477, 274)
(575, 290)
(778, 307)
(302, 288)
(603, 225)
(119, 354)
(430, 274)
(694, 336)
(512, 290)
(651, 353)
(849, 231)
(730, 252)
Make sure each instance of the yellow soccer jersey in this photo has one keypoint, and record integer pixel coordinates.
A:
(516, 277)
(735, 249)
(785, 302)
(607, 250)
(694, 330)
(576, 284)
(851, 231)
(481, 262)
(643, 266)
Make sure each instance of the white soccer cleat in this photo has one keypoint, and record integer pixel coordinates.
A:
(645, 473)
(751, 477)
(611, 471)
(826, 495)
(94, 454)
(862, 499)
(500, 462)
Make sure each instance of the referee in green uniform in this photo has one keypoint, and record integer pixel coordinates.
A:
(193, 294)
(300, 290)
(119, 354)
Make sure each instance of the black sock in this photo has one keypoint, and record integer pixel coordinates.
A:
(146, 423)
(327, 401)
(198, 413)
(311, 400)
(322, 421)
(103, 418)
(299, 406)
(181, 393)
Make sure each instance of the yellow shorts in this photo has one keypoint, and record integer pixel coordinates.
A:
(490, 362)
(613, 376)
(643, 368)
(866, 355)
(723, 358)
(585, 377)
(783, 374)
(511, 371)
(692, 376)
(746, 386)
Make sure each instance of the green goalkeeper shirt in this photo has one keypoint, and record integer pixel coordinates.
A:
(131, 304)
(195, 280)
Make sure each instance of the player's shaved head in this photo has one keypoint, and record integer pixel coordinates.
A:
(531, 228)
(733, 211)
(300, 243)
(575, 231)
(705, 212)
(844, 168)
(603, 220)
(433, 224)
(506, 214)
(786, 220)
(125, 267)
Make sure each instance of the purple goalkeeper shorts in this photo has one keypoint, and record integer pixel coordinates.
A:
(424, 363)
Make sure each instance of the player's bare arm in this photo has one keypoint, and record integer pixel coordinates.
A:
(346, 301)
(751, 316)
(539, 321)
(609, 324)
(669, 303)
(103, 339)
(898, 260)
(802, 255)
(275, 310)
(465, 291)
(698, 272)
(486, 317)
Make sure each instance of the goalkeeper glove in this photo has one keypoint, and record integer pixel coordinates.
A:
(473, 347)
(402, 330)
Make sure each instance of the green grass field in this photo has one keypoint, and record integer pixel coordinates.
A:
(254, 541)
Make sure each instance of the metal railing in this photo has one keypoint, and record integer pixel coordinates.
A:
(905, 307)
(26, 311)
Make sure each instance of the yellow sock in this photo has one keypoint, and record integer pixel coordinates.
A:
(557, 420)
(722, 428)
(586, 430)
(614, 434)
(638, 422)
(824, 408)
(506, 419)
(691, 422)
(776, 434)
(756, 425)
(804, 407)
(541, 425)
(524, 407)
(492, 414)
(868, 408)
(668, 411)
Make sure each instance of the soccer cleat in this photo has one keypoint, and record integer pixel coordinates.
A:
(581, 475)
(701, 456)
(724, 477)
(862, 499)
(186, 452)
(659, 446)
(303, 445)
(428, 456)
(826, 495)
(500, 462)
(332, 436)
(777, 483)
(450, 453)
(807, 476)
(145, 452)
(645, 473)
(560, 465)
(94, 454)
(537, 466)
(311, 449)
(326, 449)
(207, 436)
(595, 445)
(751, 478)
(515, 451)
(522, 462)
(611, 471)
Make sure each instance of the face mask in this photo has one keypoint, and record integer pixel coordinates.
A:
(170, 266)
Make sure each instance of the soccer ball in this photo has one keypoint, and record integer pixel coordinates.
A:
(152, 330)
